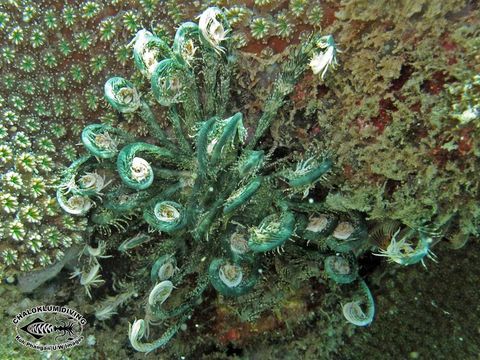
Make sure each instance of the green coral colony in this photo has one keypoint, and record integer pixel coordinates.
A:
(200, 195)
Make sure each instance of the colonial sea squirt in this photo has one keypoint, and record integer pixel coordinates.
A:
(212, 201)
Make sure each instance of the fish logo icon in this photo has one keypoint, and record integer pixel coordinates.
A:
(39, 328)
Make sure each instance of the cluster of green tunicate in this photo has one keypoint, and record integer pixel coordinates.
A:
(212, 198)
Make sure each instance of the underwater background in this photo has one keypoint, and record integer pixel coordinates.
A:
(269, 180)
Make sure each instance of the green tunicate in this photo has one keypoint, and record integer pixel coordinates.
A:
(232, 279)
(102, 140)
(319, 226)
(349, 234)
(272, 232)
(133, 242)
(242, 196)
(103, 217)
(250, 162)
(343, 269)
(148, 50)
(163, 262)
(202, 145)
(165, 216)
(139, 330)
(311, 176)
(186, 42)
(235, 242)
(224, 134)
(214, 19)
(70, 197)
(166, 83)
(136, 172)
(355, 314)
(123, 199)
(122, 95)
(186, 304)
